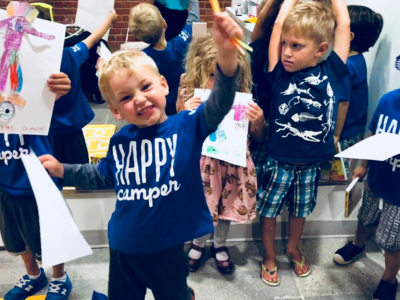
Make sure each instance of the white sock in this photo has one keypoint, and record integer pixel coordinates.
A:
(62, 279)
(35, 277)
(220, 235)
(200, 242)
(221, 255)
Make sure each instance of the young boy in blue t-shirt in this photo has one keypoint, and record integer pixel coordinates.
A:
(19, 218)
(366, 26)
(302, 119)
(72, 112)
(147, 25)
(153, 165)
(381, 202)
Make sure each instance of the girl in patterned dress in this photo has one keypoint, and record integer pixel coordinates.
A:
(230, 190)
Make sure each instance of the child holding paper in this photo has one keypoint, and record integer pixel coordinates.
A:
(19, 218)
(381, 202)
(147, 25)
(230, 190)
(302, 115)
(160, 203)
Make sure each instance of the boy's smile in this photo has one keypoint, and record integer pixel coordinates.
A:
(139, 98)
(299, 52)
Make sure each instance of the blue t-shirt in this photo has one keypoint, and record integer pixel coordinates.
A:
(355, 90)
(303, 111)
(175, 4)
(170, 60)
(384, 176)
(72, 112)
(156, 171)
(13, 177)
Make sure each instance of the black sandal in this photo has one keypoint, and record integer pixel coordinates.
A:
(223, 266)
(194, 264)
(385, 291)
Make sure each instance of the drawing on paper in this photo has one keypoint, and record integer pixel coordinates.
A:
(305, 135)
(239, 112)
(219, 135)
(293, 88)
(20, 14)
(330, 124)
(314, 80)
(212, 150)
(306, 101)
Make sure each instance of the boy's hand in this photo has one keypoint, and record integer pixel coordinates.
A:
(52, 165)
(59, 84)
(360, 172)
(112, 16)
(225, 30)
(192, 103)
(255, 114)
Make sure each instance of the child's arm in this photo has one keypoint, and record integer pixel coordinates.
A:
(96, 36)
(194, 12)
(341, 44)
(221, 99)
(275, 43)
(265, 19)
(361, 171)
(341, 119)
(83, 176)
(258, 126)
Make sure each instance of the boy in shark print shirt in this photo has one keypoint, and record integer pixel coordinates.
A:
(302, 114)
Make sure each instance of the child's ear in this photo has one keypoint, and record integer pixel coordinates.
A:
(164, 85)
(351, 36)
(322, 48)
(164, 24)
(116, 113)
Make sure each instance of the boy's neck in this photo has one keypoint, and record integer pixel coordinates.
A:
(161, 44)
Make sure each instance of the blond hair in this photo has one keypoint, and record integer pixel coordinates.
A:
(129, 60)
(312, 19)
(199, 62)
(146, 23)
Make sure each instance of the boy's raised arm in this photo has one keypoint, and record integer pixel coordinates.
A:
(96, 36)
(194, 12)
(265, 19)
(341, 44)
(275, 42)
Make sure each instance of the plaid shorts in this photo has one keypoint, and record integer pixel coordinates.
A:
(388, 220)
(295, 185)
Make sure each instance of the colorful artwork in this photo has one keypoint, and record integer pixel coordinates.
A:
(30, 53)
(229, 142)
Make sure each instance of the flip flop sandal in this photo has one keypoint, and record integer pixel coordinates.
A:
(267, 282)
(300, 264)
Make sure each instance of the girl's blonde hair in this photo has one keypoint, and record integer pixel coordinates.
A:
(199, 62)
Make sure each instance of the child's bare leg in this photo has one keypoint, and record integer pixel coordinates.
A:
(392, 263)
(58, 271)
(31, 265)
(361, 235)
(296, 226)
(268, 230)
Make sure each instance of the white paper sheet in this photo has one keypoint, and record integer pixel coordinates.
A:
(39, 58)
(199, 29)
(60, 237)
(91, 14)
(103, 52)
(351, 185)
(377, 147)
(229, 142)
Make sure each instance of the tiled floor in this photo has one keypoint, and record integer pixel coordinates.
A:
(327, 281)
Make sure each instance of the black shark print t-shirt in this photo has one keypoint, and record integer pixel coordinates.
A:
(303, 111)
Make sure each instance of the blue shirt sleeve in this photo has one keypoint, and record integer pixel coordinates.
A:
(276, 73)
(182, 41)
(74, 57)
(337, 65)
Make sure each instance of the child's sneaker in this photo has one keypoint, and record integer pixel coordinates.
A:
(59, 290)
(348, 254)
(27, 287)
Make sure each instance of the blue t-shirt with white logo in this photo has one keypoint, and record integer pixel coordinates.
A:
(13, 177)
(72, 112)
(170, 60)
(355, 90)
(156, 171)
(384, 176)
(303, 111)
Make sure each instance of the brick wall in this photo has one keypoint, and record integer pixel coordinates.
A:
(64, 8)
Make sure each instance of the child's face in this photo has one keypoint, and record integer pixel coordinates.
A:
(139, 98)
(299, 52)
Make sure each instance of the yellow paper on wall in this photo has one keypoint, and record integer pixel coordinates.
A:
(40, 297)
(97, 139)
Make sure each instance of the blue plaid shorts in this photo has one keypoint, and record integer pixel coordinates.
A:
(295, 185)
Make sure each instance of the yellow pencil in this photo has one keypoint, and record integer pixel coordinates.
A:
(216, 8)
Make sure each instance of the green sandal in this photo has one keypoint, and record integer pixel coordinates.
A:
(300, 264)
(270, 283)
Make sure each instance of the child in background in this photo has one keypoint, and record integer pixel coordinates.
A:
(19, 218)
(72, 112)
(365, 26)
(381, 203)
(147, 25)
(303, 110)
(161, 202)
(230, 190)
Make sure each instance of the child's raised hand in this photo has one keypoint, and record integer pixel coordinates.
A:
(52, 165)
(225, 30)
(59, 84)
(112, 16)
(255, 114)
